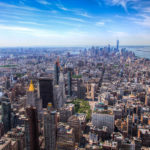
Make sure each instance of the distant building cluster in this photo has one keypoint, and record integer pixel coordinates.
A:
(96, 99)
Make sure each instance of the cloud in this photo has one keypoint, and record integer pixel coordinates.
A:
(144, 21)
(61, 6)
(100, 23)
(123, 3)
(43, 2)
(118, 33)
(28, 22)
(140, 19)
(146, 10)
(84, 14)
(15, 28)
(73, 19)
(18, 7)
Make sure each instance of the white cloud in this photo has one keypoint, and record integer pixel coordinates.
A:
(28, 22)
(44, 2)
(141, 19)
(122, 3)
(15, 28)
(145, 21)
(100, 23)
(84, 14)
(5, 5)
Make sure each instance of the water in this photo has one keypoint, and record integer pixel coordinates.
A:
(140, 51)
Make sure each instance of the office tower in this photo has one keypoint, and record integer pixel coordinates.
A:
(32, 98)
(50, 124)
(93, 91)
(66, 112)
(74, 123)
(65, 137)
(13, 120)
(127, 145)
(59, 93)
(6, 115)
(31, 95)
(103, 119)
(46, 91)
(117, 45)
(7, 83)
(144, 135)
(31, 129)
(147, 99)
(81, 89)
(56, 72)
(69, 84)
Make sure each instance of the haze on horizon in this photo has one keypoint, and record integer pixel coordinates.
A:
(74, 22)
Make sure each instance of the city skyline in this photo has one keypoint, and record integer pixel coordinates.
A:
(74, 23)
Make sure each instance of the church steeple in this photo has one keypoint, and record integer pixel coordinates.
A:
(31, 87)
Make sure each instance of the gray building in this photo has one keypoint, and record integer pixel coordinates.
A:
(50, 125)
(99, 120)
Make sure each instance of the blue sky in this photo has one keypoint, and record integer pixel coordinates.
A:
(74, 22)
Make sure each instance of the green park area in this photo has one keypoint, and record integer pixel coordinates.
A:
(76, 76)
(82, 106)
(8, 66)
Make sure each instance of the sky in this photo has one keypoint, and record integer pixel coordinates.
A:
(74, 22)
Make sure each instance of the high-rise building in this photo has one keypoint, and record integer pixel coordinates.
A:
(59, 92)
(50, 124)
(6, 115)
(69, 84)
(66, 112)
(81, 89)
(65, 137)
(31, 129)
(33, 99)
(46, 91)
(117, 45)
(30, 101)
(147, 99)
(103, 119)
(129, 125)
(56, 72)
(74, 122)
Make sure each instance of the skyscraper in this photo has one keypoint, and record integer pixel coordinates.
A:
(69, 84)
(30, 101)
(31, 129)
(59, 92)
(32, 98)
(117, 45)
(46, 91)
(6, 115)
(50, 124)
(56, 72)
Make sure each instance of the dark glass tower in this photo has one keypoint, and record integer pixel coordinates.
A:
(6, 115)
(31, 129)
(56, 72)
(46, 91)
